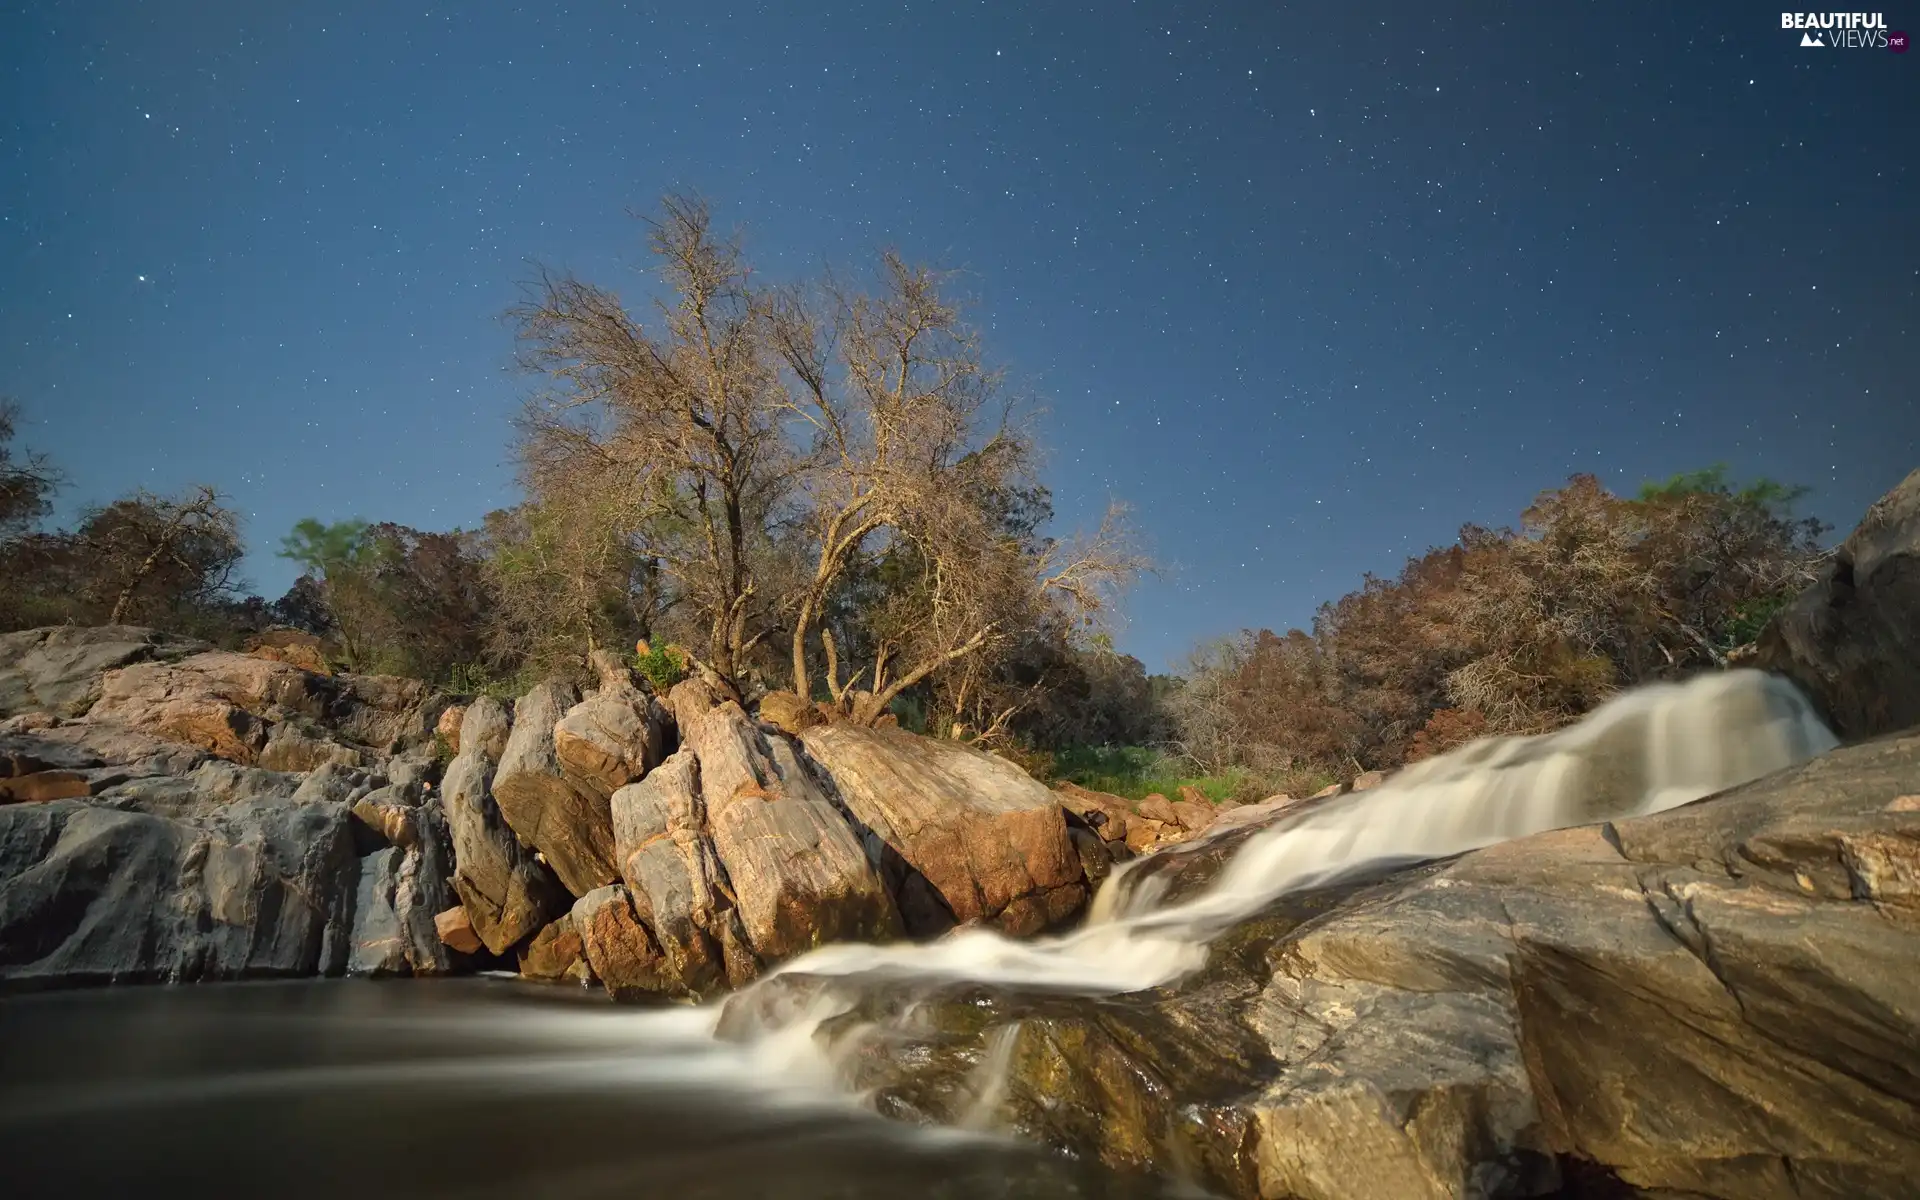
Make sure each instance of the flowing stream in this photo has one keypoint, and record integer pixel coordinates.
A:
(482, 1087)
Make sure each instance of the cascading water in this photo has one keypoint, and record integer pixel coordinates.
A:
(1644, 751)
(754, 1096)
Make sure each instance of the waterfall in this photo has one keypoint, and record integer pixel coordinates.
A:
(1644, 751)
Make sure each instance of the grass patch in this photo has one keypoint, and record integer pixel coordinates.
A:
(1137, 772)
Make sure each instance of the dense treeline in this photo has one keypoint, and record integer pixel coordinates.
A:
(1505, 631)
(824, 488)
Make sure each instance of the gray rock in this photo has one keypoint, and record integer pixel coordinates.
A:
(572, 829)
(673, 873)
(208, 788)
(100, 895)
(58, 669)
(402, 887)
(1852, 640)
(484, 728)
(507, 894)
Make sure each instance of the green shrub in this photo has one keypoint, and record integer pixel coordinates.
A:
(474, 679)
(662, 666)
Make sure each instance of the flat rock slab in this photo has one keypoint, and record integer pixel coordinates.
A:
(990, 839)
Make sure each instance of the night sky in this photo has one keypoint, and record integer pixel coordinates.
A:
(1309, 285)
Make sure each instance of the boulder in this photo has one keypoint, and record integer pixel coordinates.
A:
(1193, 815)
(618, 947)
(610, 739)
(1367, 779)
(674, 876)
(1100, 811)
(403, 887)
(293, 647)
(507, 894)
(570, 828)
(556, 954)
(455, 928)
(799, 875)
(446, 731)
(484, 728)
(1143, 834)
(990, 839)
(1158, 808)
(92, 894)
(1852, 639)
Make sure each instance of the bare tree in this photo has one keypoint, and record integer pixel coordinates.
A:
(158, 553)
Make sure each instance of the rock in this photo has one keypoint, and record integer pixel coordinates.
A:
(990, 839)
(506, 893)
(484, 728)
(1096, 861)
(1158, 808)
(609, 740)
(58, 669)
(455, 929)
(41, 786)
(182, 705)
(570, 828)
(1143, 834)
(789, 713)
(1332, 789)
(291, 748)
(557, 953)
(1194, 816)
(402, 889)
(618, 947)
(691, 699)
(1193, 795)
(1101, 811)
(30, 722)
(674, 876)
(446, 730)
(1852, 640)
(331, 781)
(1711, 1001)
(293, 647)
(208, 788)
(1366, 780)
(90, 894)
(799, 875)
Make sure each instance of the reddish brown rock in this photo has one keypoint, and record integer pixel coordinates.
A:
(557, 952)
(1143, 834)
(1332, 789)
(989, 838)
(43, 786)
(455, 928)
(799, 874)
(1194, 815)
(1158, 808)
(610, 739)
(618, 946)
(447, 729)
(1102, 811)
(1366, 780)
(296, 649)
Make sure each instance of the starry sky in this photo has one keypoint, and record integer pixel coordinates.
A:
(1309, 285)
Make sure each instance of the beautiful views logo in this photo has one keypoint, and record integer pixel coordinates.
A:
(1839, 30)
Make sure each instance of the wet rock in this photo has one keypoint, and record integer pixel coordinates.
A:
(992, 842)
(507, 894)
(798, 873)
(1096, 861)
(1852, 640)
(570, 828)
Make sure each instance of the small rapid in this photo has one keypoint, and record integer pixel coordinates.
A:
(1643, 751)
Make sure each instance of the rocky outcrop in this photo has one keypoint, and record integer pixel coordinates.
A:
(571, 828)
(58, 670)
(1851, 641)
(799, 875)
(508, 895)
(990, 840)
(94, 894)
(404, 886)
(610, 739)
(557, 954)
(676, 882)
(619, 948)
(1714, 1001)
